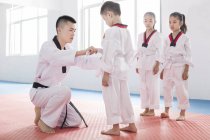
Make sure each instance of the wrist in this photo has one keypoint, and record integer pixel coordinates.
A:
(82, 52)
(106, 73)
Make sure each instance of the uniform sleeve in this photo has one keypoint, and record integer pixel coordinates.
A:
(139, 52)
(188, 57)
(111, 47)
(57, 57)
(88, 62)
(130, 53)
(163, 53)
(158, 46)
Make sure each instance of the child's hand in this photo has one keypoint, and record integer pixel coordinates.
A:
(161, 75)
(105, 79)
(156, 68)
(185, 75)
(137, 70)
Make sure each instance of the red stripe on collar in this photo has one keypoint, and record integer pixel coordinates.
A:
(120, 25)
(176, 38)
(146, 39)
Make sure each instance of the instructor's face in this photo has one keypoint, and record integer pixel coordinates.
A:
(67, 32)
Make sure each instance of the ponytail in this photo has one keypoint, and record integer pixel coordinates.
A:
(181, 18)
(184, 26)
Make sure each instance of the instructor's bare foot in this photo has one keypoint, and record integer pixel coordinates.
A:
(45, 128)
(130, 128)
(37, 115)
(114, 132)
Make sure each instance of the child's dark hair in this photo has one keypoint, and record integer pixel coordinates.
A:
(181, 18)
(110, 6)
(64, 19)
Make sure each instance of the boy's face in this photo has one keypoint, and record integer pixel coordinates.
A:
(149, 22)
(174, 24)
(107, 17)
(67, 31)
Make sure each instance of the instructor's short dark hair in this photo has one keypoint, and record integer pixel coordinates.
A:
(110, 6)
(64, 19)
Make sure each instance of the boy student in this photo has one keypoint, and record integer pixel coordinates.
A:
(117, 54)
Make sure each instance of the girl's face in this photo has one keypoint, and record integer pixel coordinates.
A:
(149, 22)
(174, 24)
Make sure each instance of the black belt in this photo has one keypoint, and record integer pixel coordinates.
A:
(36, 85)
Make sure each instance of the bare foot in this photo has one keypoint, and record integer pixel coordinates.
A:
(144, 113)
(164, 115)
(149, 114)
(114, 132)
(180, 118)
(131, 129)
(45, 128)
(37, 115)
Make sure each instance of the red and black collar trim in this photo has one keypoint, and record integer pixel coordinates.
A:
(146, 39)
(173, 41)
(120, 25)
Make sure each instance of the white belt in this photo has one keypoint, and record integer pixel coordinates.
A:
(173, 59)
(148, 54)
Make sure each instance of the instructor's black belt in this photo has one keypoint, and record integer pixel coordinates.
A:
(37, 85)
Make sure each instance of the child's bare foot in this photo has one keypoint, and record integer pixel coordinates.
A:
(130, 128)
(180, 118)
(150, 113)
(114, 132)
(145, 112)
(45, 128)
(37, 115)
(164, 115)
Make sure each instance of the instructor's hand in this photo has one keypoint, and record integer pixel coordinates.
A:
(92, 50)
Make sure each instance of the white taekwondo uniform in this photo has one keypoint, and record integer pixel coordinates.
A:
(149, 50)
(116, 57)
(52, 68)
(175, 56)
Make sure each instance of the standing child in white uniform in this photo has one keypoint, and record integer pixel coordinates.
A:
(148, 60)
(116, 56)
(176, 62)
(50, 97)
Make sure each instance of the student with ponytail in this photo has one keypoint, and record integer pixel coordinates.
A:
(176, 60)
